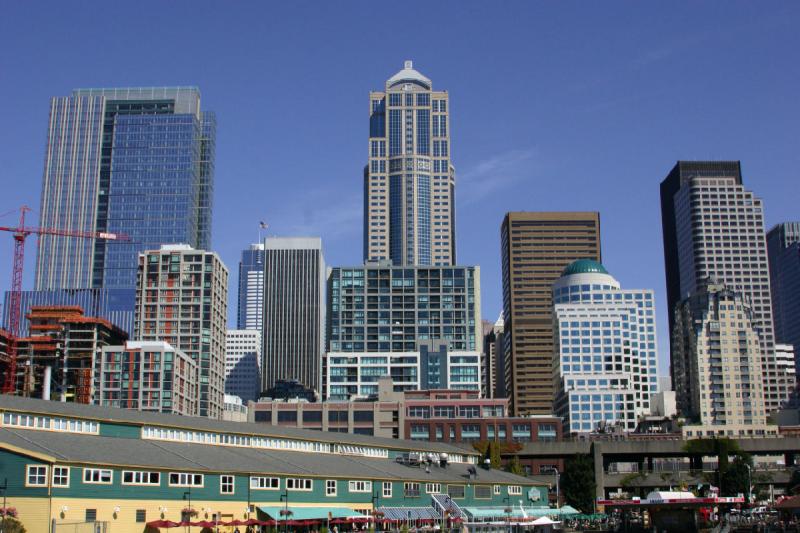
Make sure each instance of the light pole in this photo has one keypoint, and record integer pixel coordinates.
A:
(558, 477)
(507, 499)
(5, 508)
(188, 515)
(749, 484)
(285, 512)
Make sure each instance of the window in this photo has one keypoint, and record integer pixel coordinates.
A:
(141, 515)
(131, 477)
(226, 485)
(36, 476)
(330, 487)
(387, 489)
(411, 489)
(97, 475)
(433, 488)
(264, 483)
(91, 515)
(483, 492)
(360, 486)
(497, 490)
(61, 476)
(514, 490)
(294, 483)
(185, 479)
(455, 491)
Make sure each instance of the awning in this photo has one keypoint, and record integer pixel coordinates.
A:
(412, 513)
(310, 513)
(499, 513)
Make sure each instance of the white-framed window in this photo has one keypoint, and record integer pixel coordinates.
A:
(360, 486)
(61, 476)
(136, 477)
(36, 476)
(102, 476)
(185, 479)
(330, 487)
(456, 491)
(411, 489)
(226, 485)
(295, 483)
(433, 488)
(264, 483)
(514, 490)
(387, 489)
(497, 490)
(483, 492)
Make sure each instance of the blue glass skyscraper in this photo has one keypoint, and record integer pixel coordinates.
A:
(250, 312)
(138, 161)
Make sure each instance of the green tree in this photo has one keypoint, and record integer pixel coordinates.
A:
(735, 478)
(12, 525)
(793, 487)
(514, 467)
(577, 482)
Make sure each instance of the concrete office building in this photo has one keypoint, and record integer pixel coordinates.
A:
(421, 325)
(409, 180)
(605, 369)
(783, 247)
(488, 359)
(182, 299)
(786, 360)
(294, 311)
(714, 227)
(243, 363)
(146, 376)
(535, 248)
(499, 381)
(250, 313)
(716, 364)
(136, 161)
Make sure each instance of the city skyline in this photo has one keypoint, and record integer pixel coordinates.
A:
(568, 115)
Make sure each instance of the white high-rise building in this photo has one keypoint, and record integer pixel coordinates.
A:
(605, 364)
(243, 363)
(409, 181)
(714, 227)
(251, 289)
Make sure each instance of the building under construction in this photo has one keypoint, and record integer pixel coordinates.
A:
(58, 356)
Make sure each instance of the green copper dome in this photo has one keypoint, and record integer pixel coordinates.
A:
(584, 266)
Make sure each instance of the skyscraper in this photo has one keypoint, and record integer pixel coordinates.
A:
(137, 161)
(714, 227)
(606, 364)
(294, 311)
(243, 364)
(716, 364)
(250, 313)
(535, 248)
(182, 299)
(409, 181)
(783, 247)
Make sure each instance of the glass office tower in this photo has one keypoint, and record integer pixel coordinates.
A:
(138, 161)
(409, 182)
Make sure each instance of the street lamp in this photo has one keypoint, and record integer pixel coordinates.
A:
(749, 483)
(5, 507)
(376, 500)
(558, 477)
(285, 512)
(188, 515)
(507, 510)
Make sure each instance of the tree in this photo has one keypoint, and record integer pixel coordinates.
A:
(12, 525)
(793, 487)
(735, 479)
(577, 482)
(514, 467)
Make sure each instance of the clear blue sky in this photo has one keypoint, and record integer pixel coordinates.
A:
(555, 106)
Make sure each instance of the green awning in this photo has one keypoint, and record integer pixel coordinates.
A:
(310, 513)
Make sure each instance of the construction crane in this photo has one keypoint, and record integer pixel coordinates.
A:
(20, 233)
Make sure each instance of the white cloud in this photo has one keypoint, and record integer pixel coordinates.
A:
(493, 174)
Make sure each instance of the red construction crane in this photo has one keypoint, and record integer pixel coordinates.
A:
(15, 301)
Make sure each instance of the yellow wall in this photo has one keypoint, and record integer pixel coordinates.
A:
(33, 513)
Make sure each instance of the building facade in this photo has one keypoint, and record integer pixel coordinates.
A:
(146, 376)
(57, 359)
(294, 311)
(250, 313)
(488, 359)
(716, 364)
(421, 325)
(783, 247)
(606, 364)
(535, 248)
(182, 299)
(243, 363)
(409, 180)
(133, 161)
(118, 470)
(714, 227)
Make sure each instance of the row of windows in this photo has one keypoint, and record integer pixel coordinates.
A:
(69, 425)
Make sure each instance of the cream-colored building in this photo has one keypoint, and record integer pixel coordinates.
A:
(409, 181)
(716, 365)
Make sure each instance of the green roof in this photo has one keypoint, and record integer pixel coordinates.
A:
(584, 266)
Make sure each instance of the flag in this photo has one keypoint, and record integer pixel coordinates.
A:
(262, 225)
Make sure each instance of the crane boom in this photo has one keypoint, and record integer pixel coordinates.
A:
(20, 233)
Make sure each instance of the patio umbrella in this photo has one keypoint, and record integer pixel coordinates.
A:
(203, 523)
(234, 522)
(158, 524)
(543, 521)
